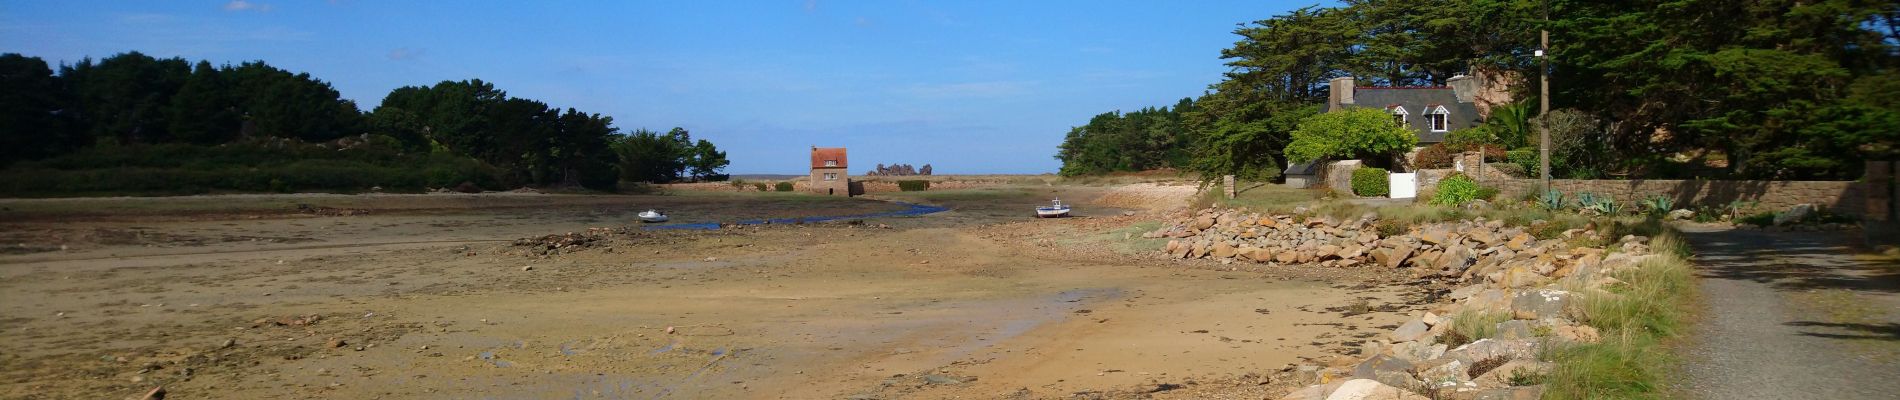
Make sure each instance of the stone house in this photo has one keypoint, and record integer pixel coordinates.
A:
(1431, 112)
(828, 171)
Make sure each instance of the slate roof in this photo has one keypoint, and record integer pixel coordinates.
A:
(820, 154)
(1415, 100)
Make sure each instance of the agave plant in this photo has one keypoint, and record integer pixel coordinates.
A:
(1551, 200)
(1606, 206)
(1658, 205)
(1586, 200)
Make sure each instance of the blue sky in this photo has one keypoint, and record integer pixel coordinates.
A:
(968, 86)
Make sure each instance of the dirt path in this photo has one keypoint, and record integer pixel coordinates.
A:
(1791, 316)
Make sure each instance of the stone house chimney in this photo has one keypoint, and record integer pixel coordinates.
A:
(1465, 87)
(1342, 88)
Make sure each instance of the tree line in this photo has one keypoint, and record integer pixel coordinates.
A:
(1775, 89)
(51, 118)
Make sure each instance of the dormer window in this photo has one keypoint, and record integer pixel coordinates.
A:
(1437, 117)
(831, 163)
(1398, 115)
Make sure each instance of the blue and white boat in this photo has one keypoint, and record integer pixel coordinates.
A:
(1055, 210)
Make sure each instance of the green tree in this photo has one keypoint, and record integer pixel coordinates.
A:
(35, 120)
(203, 111)
(647, 156)
(707, 162)
(123, 98)
(1363, 133)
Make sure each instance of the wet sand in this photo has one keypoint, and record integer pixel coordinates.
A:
(443, 303)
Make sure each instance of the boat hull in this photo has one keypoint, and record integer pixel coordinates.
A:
(1052, 213)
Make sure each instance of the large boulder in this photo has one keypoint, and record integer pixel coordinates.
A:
(1386, 369)
(1396, 257)
(1410, 331)
(1446, 375)
(1223, 250)
(1367, 389)
(1541, 303)
(1794, 214)
(1520, 369)
(1533, 392)
(1489, 348)
(1202, 223)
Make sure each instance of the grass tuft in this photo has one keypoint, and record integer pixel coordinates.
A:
(1629, 361)
(1468, 326)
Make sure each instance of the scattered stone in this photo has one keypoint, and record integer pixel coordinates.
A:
(1410, 331)
(527, 268)
(936, 379)
(1368, 389)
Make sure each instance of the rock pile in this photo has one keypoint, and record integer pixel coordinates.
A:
(568, 242)
(1524, 290)
(1458, 251)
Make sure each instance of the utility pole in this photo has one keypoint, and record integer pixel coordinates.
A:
(1543, 100)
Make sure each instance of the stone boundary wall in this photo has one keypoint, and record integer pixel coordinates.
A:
(858, 186)
(714, 186)
(1845, 197)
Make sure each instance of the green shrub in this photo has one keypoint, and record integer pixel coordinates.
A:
(1456, 189)
(1524, 158)
(1759, 219)
(1370, 182)
(913, 185)
(784, 186)
(1487, 193)
(760, 186)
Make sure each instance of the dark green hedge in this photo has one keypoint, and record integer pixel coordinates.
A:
(1370, 182)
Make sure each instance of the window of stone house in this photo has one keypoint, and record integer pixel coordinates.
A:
(1437, 119)
(831, 176)
(831, 163)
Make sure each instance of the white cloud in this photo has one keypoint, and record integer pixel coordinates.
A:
(243, 5)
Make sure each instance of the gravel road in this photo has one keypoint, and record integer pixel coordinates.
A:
(1755, 342)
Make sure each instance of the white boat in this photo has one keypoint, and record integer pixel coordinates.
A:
(1055, 209)
(652, 216)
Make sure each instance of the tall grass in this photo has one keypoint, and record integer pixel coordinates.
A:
(1635, 320)
(1469, 325)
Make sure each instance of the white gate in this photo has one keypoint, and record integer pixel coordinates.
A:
(1404, 186)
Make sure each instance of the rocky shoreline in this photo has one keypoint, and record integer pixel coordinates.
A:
(1516, 296)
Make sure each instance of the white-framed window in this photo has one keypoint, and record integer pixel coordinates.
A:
(1398, 115)
(1437, 118)
(831, 163)
(831, 176)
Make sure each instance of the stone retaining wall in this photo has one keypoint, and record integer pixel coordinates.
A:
(1843, 197)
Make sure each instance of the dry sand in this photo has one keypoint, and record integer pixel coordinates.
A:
(428, 296)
